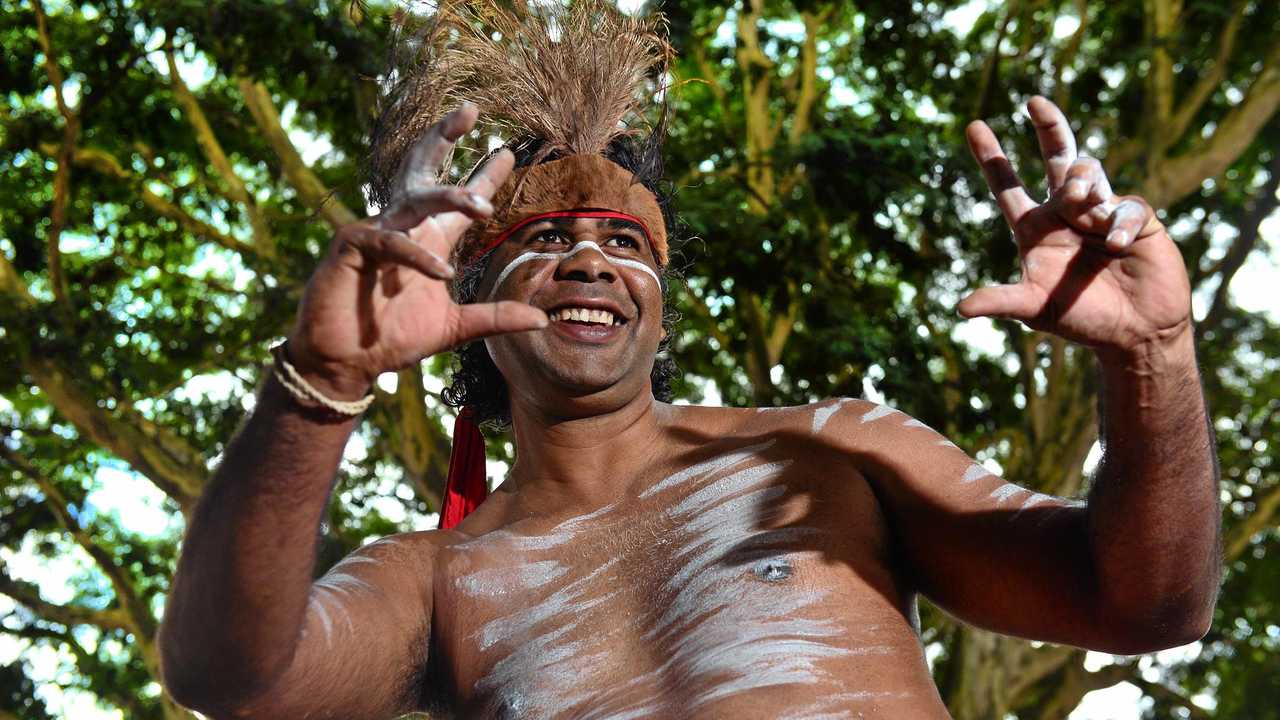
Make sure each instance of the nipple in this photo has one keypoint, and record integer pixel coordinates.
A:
(772, 570)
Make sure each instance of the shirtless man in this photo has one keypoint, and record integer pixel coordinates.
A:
(651, 560)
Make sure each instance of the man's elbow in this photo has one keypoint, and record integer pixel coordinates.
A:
(1159, 627)
(196, 680)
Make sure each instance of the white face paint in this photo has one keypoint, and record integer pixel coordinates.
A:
(559, 256)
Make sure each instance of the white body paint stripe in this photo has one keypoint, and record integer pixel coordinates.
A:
(560, 256)
(878, 412)
(823, 414)
(325, 621)
(1004, 492)
(722, 462)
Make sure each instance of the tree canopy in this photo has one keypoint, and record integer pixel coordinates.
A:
(170, 172)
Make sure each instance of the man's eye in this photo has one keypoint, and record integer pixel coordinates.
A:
(550, 236)
(625, 241)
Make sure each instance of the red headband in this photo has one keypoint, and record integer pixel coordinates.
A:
(598, 213)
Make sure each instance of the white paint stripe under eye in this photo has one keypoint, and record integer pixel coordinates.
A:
(559, 256)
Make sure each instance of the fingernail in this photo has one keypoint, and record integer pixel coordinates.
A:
(1120, 238)
(481, 204)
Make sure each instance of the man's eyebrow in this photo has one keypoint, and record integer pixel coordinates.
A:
(566, 223)
(623, 224)
(559, 223)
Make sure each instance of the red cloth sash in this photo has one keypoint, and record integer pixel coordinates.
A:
(465, 487)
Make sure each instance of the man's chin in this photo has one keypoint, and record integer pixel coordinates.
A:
(581, 382)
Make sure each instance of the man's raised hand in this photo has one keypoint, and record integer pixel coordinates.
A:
(1097, 268)
(379, 301)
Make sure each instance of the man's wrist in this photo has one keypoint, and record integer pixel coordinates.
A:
(334, 381)
(1167, 355)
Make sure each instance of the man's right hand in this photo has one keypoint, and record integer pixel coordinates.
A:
(380, 301)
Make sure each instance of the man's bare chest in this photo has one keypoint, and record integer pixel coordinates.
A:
(716, 583)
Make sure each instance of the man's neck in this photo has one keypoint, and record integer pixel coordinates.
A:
(585, 461)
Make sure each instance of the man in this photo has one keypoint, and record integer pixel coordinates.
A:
(649, 560)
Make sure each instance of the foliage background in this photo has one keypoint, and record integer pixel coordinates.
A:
(170, 171)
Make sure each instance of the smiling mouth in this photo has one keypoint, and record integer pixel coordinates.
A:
(586, 316)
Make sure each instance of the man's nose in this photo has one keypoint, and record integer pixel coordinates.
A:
(587, 264)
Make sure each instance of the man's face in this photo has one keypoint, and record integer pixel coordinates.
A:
(597, 280)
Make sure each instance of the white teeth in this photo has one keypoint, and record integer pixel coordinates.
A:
(587, 315)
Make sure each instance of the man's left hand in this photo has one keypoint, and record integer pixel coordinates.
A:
(1097, 268)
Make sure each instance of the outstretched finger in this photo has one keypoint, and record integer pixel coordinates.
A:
(1004, 183)
(427, 155)
(378, 247)
(478, 320)
(1057, 142)
(484, 182)
(1019, 302)
(411, 210)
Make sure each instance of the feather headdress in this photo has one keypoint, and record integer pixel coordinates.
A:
(568, 79)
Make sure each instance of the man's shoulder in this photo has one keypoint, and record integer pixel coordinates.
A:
(827, 415)
(842, 422)
(401, 549)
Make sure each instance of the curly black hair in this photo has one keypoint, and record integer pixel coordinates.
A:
(476, 381)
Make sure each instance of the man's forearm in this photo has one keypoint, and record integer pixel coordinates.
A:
(1154, 516)
(239, 597)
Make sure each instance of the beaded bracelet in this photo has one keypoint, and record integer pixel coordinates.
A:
(302, 391)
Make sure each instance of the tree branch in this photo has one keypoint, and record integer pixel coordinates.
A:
(1075, 682)
(164, 458)
(698, 305)
(1161, 21)
(86, 662)
(208, 142)
(62, 176)
(1211, 80)
(991, 67)
(1259, 207)
(154, 451)
(1266, 505)
(1160, 690)
(1061, 90)
(312, 192)
(28, 595)
(760, 128)
(141, 621)
(103, 162)
(1181, 175)
(808, 74)
(780, 329)
(419, 446)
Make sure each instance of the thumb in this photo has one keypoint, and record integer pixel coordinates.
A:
(1019, 302)
(477, 320)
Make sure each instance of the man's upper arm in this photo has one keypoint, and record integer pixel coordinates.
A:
(365, 637)
(992, 553)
